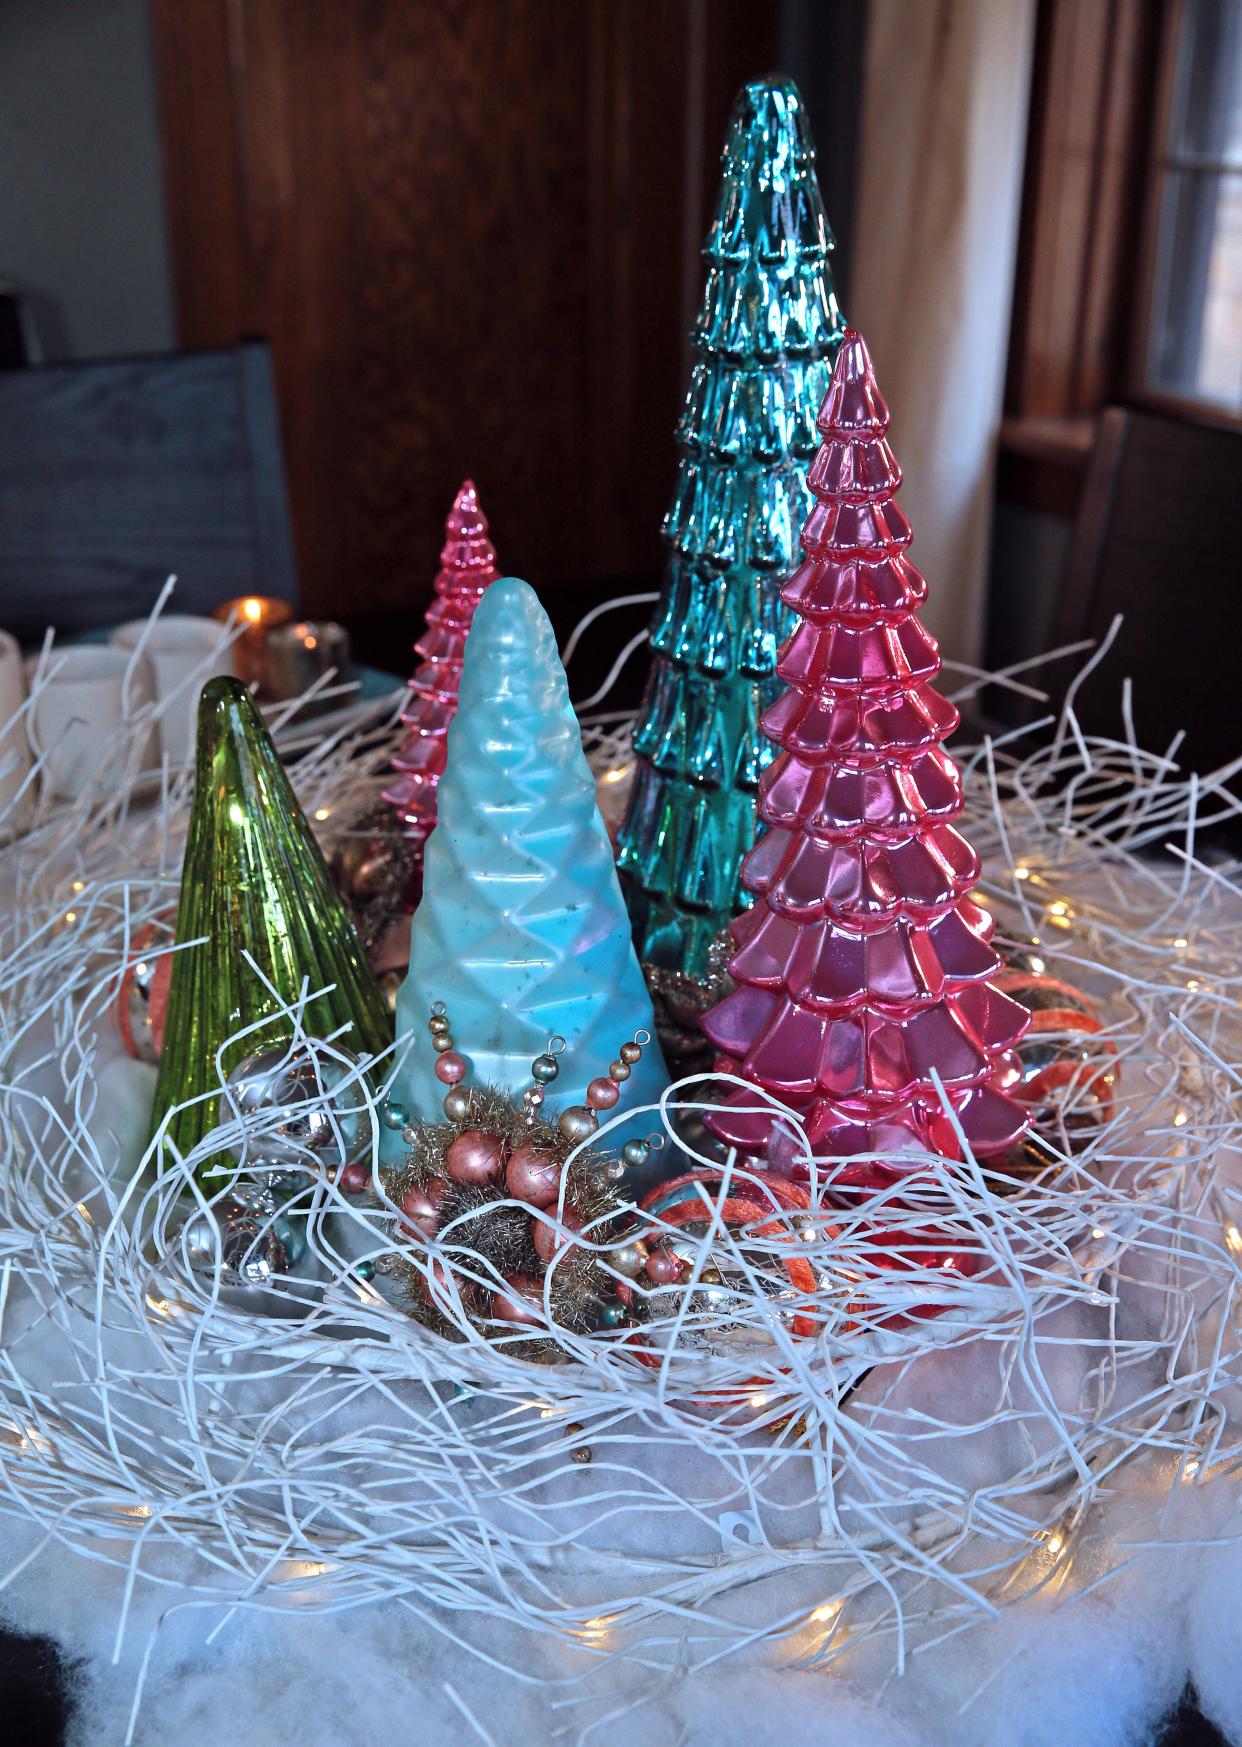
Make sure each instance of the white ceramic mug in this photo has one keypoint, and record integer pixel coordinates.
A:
(184, 653)
(77, 715)
(14, 747)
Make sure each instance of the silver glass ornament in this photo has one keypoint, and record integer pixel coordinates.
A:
(200, 1235)
(251, 1253)
(314, 1114)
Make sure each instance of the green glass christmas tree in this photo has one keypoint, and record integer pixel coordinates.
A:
(765, 340)
(253, 881)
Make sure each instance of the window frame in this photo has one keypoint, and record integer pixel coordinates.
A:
(1138, 391)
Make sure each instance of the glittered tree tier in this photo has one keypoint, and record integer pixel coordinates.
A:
(467, 568)
(765, 338)
(866, 977)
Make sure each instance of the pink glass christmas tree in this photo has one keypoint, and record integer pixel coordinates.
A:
(863, 966)
(467, 566)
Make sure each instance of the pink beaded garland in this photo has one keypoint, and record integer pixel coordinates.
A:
(602, 1094)
(450, 1067)
(475, 1156)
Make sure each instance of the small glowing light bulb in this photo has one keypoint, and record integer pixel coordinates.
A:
(252, 609)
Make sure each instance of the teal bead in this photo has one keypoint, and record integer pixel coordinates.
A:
(292, 1234)
(545, 1068)
(635, 1152)
(394, 1115)
(365, 1270)
(613, 1313)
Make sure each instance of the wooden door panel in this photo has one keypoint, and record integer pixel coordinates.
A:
(469, 229)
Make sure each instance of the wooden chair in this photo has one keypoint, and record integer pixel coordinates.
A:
(114, 474)
(1157, 539)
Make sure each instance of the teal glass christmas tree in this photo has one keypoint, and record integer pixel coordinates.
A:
(253, 882)
(765, 340)
(522, 931)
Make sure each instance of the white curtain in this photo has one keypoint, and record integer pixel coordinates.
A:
(943, 142)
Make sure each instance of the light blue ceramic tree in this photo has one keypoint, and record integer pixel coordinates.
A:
(522, 931)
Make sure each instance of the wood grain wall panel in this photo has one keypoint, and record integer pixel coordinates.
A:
(469, 229)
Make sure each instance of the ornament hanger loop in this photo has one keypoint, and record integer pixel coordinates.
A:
(438, 1009)
(556, 1045)
(642, 1037)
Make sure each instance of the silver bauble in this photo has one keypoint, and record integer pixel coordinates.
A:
(199, 1236)
(251, 1252)
(312, 1118)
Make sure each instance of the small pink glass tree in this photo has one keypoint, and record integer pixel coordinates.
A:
(467, 566)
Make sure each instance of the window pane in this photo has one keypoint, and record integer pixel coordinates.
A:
(1207, 99)
(1195, 348)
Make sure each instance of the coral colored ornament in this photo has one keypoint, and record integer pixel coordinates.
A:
(548, 1240)
(1064, 1063)
(863, 967)
(764, 343)
(475, 1156)
(521, 1301)
(533, 1175)
(422, 1206)
(467, 567)
(142, 999)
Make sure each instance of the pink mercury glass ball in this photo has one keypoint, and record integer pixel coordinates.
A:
(421, 1206)
(475, 1156)
(533, 1175)
(548, 1240)
(450, 1067)
(603, 1093)
(520, 1301)
(354, 1179)
(664, 1267)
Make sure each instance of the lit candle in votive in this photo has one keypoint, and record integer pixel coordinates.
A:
(298, 654)
(258, 614)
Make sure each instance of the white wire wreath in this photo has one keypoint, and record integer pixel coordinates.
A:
(887, 1475)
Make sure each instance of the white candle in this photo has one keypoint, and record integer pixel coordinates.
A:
(14, 747)
(184, 653)
(80, 710)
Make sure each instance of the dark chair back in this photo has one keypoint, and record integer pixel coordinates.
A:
(114, 474)
(1157, 539)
